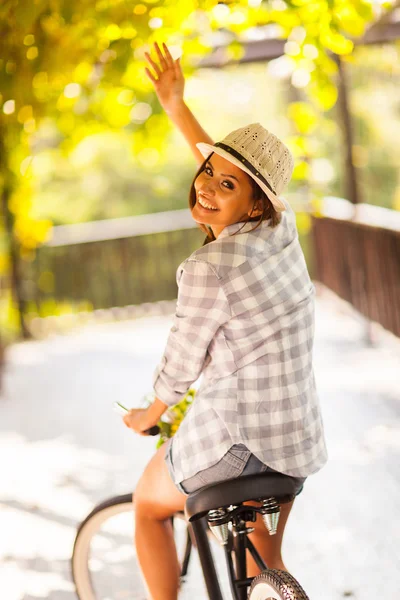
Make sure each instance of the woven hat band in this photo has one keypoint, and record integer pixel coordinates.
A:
(246, 163)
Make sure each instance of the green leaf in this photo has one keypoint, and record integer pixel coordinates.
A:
(303, 222)
(323, 91)
(301, 171)
(303, 115)
(336, 42)
(235, 51)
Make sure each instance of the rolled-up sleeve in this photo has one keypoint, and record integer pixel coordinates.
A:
(201, 309)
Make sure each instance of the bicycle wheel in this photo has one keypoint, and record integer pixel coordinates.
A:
(274, 584)
(104, 563)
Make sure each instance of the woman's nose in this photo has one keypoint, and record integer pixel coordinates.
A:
(207, 189)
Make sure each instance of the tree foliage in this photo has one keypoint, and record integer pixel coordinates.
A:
(73, 68)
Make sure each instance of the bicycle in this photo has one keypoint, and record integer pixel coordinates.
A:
(218, 511)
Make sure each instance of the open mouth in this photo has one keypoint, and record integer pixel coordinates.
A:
(206, 205)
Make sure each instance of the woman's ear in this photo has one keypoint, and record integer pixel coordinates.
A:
(257, 209)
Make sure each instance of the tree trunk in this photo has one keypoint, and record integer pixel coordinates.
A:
(351, 181)
(11, 242)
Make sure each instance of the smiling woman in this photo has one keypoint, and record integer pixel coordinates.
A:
(222, 193)
(243, 319)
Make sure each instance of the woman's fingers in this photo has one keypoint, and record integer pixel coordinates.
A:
(166, 62)
(153, 64)
(168, 57)
(178, 67)
(174, 64)
(163, 62)
(166, 76)
(151, 76)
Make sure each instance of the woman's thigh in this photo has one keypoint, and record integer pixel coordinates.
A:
(156, 494)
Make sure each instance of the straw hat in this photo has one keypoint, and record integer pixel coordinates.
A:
(260, 154)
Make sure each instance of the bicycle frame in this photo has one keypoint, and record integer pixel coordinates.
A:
(237, 544)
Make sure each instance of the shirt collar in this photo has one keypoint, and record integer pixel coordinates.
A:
(244, 226)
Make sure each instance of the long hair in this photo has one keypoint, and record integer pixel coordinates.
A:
(259, 196)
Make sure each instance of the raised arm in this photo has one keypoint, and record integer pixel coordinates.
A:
(169, 84)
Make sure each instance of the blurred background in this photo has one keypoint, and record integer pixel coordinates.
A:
(94, 221)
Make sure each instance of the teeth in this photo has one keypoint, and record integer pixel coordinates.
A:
(206, 205)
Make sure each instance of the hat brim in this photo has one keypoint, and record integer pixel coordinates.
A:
(207, 149)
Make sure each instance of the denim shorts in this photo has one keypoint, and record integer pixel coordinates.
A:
(237, 462)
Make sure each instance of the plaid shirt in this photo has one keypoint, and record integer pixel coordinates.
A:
(245, 320)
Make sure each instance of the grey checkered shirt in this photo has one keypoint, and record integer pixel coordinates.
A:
(244, 320)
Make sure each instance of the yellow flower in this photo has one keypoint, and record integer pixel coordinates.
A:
(175, 416)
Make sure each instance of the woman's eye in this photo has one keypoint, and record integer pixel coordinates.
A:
(230, 186)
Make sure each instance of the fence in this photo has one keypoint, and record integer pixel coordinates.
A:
(357, 255)
(125, 262)
(115, 263)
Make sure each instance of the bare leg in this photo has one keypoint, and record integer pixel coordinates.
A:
(269, 546)
(156, 499)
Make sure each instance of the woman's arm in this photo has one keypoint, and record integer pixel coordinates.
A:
(201, 309)
(191, 129)
(169, 84)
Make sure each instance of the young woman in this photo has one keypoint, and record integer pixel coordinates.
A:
(245, 320)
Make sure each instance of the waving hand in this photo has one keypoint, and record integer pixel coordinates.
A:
(167, 78)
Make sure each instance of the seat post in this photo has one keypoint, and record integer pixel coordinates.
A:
(200, 528)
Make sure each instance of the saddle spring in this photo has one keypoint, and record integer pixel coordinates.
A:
(270, 511)
(221, 532)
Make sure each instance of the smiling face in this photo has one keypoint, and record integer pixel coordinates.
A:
(228, 193)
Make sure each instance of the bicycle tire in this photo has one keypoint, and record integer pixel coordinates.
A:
(86, 531)
(275, 584)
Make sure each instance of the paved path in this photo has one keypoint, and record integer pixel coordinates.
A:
(63, 449)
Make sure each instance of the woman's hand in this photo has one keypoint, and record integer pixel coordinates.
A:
(139, 420)
(168, 79)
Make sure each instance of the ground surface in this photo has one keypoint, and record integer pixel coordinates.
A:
(63, 450)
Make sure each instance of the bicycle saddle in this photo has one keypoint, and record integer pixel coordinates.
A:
(241, 489)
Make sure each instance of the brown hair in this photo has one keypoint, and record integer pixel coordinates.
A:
(259, 196)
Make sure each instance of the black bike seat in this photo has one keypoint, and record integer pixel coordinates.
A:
(234, 491)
